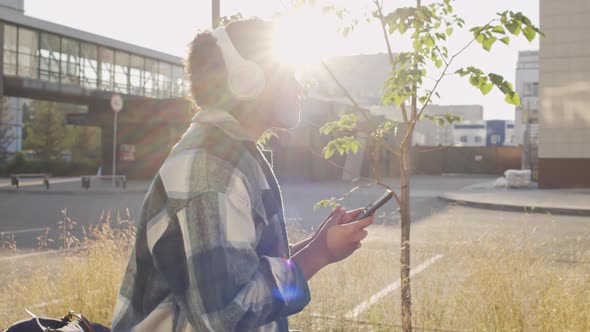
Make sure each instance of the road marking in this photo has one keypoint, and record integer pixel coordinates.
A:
(35, 254)
(27, 230)
(359, 309)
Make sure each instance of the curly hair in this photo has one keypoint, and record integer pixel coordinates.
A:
(205, 67)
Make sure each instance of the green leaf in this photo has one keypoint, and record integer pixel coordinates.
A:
(329, 203)
(505, 40)
(499, 29)
(449, 31)
(429, 42)
(513, 99)
(401, 28)
(328, 152)
(354, 146)
(487, 44)
(438, 63)
(474, 80)
(513, 27)
(486, 88)
(462, 72)
(530, 34)
(417, 44)
(480, 38)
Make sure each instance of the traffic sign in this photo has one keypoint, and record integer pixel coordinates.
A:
(116, 102)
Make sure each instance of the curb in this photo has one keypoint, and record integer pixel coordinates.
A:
(517, 208)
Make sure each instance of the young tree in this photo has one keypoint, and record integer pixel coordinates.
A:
(46, 130)
(429, 27)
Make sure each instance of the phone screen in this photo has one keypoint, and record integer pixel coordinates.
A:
(376, 204)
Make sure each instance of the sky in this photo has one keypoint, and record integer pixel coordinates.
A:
(168, 26)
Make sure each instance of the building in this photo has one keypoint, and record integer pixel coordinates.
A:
(527, 86)
(564, 117)
(483, 133)
(47, 61)
(527, 115)
(429, 133)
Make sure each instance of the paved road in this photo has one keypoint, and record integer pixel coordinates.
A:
(27, 211)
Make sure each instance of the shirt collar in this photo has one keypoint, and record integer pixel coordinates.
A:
(224, 121)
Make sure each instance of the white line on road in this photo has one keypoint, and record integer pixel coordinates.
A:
(35, 254)
(359, 309)
(27, 230)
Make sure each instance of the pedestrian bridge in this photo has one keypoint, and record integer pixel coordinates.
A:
(49, 61)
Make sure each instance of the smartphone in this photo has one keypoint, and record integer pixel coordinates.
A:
(375, 205)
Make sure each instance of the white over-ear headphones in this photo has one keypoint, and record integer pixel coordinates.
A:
(246, 80)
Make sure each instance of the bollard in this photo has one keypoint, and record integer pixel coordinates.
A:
(46, 182)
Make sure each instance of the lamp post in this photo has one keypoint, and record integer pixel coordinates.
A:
(116, 106)
(215, 13)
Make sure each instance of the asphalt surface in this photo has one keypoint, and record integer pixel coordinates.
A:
(26, 213)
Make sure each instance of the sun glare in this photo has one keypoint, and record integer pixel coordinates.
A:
(302, 37)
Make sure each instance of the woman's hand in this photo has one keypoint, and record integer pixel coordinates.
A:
(337, 238)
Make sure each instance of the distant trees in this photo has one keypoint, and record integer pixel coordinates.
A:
(6, 136)
(46, 131)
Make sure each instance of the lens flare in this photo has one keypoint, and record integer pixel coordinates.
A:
(302, 37)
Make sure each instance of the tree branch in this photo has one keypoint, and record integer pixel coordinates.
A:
(381, 18)
(442, 75)
(365, 112)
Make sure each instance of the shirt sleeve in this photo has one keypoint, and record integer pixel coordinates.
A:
(208, 258)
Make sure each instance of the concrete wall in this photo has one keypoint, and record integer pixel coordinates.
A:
(17, 5)
(564, 149)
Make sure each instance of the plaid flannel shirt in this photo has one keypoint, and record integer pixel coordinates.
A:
(211, 252)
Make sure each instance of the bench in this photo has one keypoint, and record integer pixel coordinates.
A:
(120, 180)
(15, 178)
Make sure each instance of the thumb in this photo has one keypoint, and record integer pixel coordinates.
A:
(337, 215)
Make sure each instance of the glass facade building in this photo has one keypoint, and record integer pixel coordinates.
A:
(37, 54)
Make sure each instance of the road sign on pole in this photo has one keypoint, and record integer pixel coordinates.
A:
(116, 106)
(215, 12)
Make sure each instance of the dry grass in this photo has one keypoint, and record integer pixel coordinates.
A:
(495, 276)
(85, 279)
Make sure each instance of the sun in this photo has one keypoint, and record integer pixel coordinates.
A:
(303, 37)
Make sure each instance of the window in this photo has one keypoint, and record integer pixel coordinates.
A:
(70, 60)
(177, 81)
(49, 57)
(164, 74)
(28, 44)
(122, 72)
(10, 50)
(106, 59)
(89, 65)
(477, 139)
(495, 139)
(531, 89)
(464, 139)
(136, 75)
(151, 78)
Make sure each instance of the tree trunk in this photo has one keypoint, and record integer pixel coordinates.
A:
(406, 294)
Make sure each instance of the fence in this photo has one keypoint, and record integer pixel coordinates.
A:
(304, 164)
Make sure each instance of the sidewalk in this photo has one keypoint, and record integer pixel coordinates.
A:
(532, 200)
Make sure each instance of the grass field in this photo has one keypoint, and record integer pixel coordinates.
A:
(498, 275)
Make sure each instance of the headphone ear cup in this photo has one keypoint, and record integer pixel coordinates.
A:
(246, 81)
